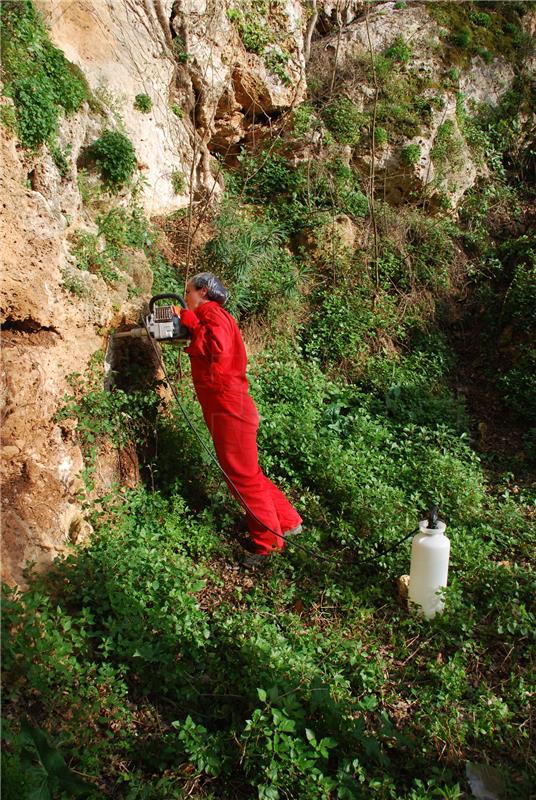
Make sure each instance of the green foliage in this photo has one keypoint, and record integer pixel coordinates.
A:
(461, 37)
(91, 256)
(114, 155)
(344, 120)
(61, 158)
(37, 75)
(177, 110)
(247, 254)
(447, 145)
(497, 29)
(399, 51)
(178, 181)
(276, 60)
(119, 229)
(481, 18)
(115, 415)
(250, 20)
(180, 50)
(303, 119)
(283, 760)
(132, 654)
(381, 136)
(143, 103)
(335, 187)
(410, 154)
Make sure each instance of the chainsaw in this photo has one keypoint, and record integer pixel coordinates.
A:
(162, 323)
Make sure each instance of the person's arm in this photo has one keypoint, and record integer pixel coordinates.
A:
(211, 336)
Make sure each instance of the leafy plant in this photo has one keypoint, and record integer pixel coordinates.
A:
(179, 50)
(46, 767)
(344, 120)
(410, 154)
(38, 77)
(399, 51)
(114, 155)
(143, 103)
(178, 181)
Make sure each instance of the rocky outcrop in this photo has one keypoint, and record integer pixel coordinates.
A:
(206, 90)
(237, 91)
(48, 333)
(123, 50)
(341, 63)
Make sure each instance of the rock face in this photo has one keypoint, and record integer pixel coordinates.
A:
(124, 50)
(236, 91)
(48, 334)
(206, 91)
(346, 57)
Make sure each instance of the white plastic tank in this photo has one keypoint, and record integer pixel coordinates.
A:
(430, 552)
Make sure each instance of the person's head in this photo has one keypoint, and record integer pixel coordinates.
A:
(203, 287)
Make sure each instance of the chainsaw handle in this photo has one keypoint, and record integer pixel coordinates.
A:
(153, 300)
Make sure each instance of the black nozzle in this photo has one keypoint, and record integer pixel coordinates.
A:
(433, 515)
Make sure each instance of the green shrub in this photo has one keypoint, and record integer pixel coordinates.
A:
(37, 75)
(247, 253)
(410, 154)
(178, 181)
(448, 145)
(399, 51)
(179, 50)
(177, 110)
(252, 24)
(461, 38)
(485, 54)
(481, 18)
(143, 103)
(303, 119)
(276, 60)
(37, 114)
(120, 229)
(115, 157)
(60, 158)
(344, 120)
(381, 136)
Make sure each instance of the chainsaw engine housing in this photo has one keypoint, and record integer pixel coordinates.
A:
(163, 322)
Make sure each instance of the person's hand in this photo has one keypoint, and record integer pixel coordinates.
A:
(189, 319)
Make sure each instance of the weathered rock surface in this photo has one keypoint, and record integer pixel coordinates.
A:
(48, 333)
(124, 49)
(345, 57)
(187, 57)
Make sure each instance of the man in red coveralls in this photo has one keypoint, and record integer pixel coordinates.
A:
(218, 359)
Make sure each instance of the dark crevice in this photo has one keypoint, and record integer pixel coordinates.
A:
(27, 325)
(196, 113)
(32, 179)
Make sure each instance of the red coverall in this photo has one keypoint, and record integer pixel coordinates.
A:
(218, 359)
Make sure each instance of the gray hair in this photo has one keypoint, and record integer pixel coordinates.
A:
(215, 289)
